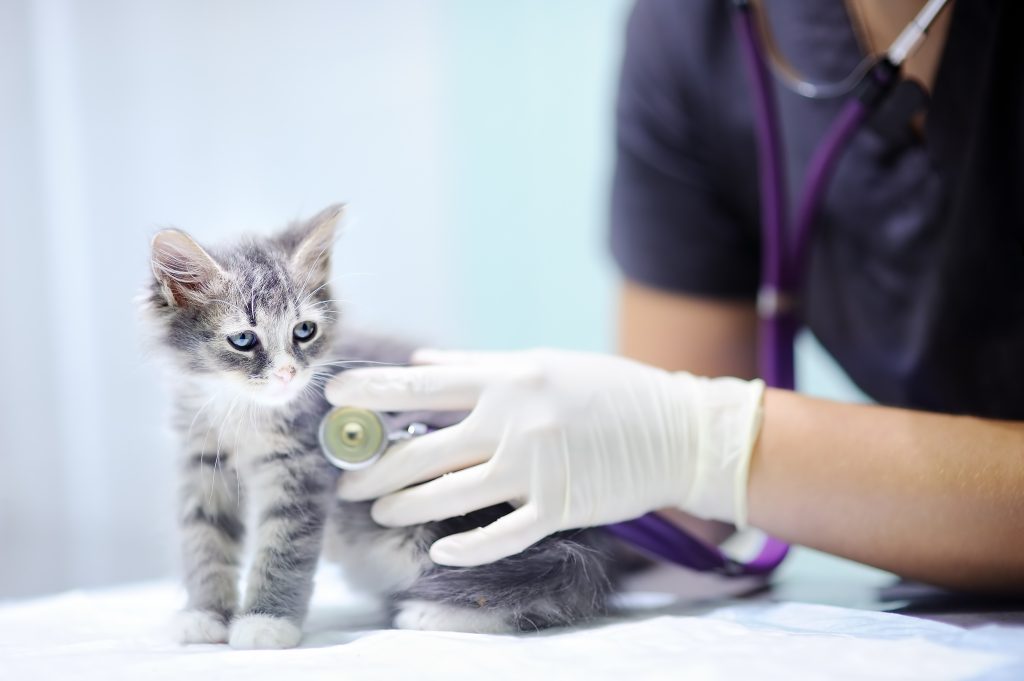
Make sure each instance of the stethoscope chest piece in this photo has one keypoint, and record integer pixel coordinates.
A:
(352, 438)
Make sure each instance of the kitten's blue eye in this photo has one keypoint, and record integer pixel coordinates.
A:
(304, 331)
(244, 340)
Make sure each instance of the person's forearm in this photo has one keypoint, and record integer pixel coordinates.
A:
(931, 497)
(679, 332)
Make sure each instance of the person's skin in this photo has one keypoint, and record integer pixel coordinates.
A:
(878, 22)
(932, 497)
(679, 332)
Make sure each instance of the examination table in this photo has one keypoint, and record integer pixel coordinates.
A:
(821, 618)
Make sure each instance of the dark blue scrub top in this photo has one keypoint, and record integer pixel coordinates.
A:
(916, 280)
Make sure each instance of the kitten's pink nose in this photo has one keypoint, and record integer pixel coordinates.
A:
(285, 374)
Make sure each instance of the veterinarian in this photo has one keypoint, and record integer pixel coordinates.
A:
(914, 282)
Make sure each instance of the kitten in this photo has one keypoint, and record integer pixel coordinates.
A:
(252, 335)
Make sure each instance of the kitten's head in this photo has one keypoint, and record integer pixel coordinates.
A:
(255, 317)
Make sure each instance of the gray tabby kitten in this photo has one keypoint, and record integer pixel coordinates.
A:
(251, 331)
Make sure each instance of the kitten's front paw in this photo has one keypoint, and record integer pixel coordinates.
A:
(196, 626)
(252, 632)
(429, 616)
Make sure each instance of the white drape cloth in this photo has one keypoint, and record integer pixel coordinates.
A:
(116, 634)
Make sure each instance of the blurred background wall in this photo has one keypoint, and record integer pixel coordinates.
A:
(471, 138)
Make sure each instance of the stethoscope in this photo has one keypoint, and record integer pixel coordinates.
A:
(785, 245)
(354, 438)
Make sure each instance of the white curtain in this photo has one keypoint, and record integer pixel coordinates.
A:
(463, 134)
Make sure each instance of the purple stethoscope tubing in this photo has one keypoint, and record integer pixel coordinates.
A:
(782, 269)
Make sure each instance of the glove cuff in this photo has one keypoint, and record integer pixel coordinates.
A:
(726, 418)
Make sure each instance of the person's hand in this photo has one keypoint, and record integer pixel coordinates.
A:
(572, 439)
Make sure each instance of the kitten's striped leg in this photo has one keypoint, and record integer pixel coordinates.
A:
(291, 492)
(212, 530)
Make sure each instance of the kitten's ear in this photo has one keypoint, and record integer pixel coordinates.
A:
(183, 269)
(310, 244)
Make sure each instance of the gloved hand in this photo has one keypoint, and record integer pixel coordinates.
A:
(574, 439)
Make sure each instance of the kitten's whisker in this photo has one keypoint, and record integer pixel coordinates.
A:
(311, 293)
(188, 436)
(307, 391)
(206, 438)
(315, 263)
(218, 300)
(350, 362)
(238, 427)
(330, 300)
(319, 384)
(252, 415)
(220, 435)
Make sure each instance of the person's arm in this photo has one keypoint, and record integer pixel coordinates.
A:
(932, 497)
(679, 332)
(582, 439)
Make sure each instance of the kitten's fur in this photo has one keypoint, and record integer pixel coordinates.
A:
(248, 439)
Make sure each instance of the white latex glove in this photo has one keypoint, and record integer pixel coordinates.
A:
(574, 439)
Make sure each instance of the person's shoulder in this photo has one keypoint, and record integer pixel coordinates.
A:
(680, 35)
(680, 8)
(679, 18)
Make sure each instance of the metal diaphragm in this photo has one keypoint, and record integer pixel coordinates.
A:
(353, 438)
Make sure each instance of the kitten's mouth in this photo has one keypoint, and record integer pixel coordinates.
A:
(276, 392)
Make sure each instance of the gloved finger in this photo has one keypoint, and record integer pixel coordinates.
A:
(417, 460)
(410, 388)
(446, 497)
(505, 536)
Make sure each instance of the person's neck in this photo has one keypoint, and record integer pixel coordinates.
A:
(878, 22)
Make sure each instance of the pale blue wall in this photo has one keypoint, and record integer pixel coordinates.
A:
(818, 374)
(472, 139)
(530, 122)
